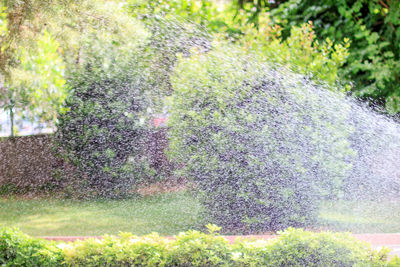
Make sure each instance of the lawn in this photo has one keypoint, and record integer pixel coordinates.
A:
(168, 214)
(381, 216)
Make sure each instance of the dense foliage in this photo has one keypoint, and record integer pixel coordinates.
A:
(300, 52)
(31, 58)
(40, 42)
(371, 26)
(206, 13)
(260, 143)
(192, 248)
(103, 129)
(118, 85)
(18, 249)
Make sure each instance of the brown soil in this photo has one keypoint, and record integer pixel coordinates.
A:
(167, 186)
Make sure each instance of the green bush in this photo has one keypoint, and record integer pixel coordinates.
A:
(8, 189)
(18, 249)
(119, 83)
(263, 146)
(103, 127)
(125, 250)
(294, 247)
(194, 248)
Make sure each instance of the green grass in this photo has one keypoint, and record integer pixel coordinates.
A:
(166, 214)
(361, 216)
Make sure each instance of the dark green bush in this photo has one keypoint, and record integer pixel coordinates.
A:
(117, 87)
(264, 146)
(8, 188)
(294, 247)
(103, 129)
(104, 133)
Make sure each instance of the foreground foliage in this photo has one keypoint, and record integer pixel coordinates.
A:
(293, 247)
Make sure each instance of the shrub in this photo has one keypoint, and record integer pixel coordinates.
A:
(18, 249)
(294, 247)
(194, 248)
(8, 189)
(120, 82)
(125, 250)
(263, 146)
(103, 127)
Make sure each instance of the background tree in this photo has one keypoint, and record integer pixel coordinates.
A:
(372, 28)
(31, 65)
(39, 40)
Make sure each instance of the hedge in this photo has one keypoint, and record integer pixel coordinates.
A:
(293, 247)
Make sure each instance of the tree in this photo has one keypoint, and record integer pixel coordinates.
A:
(372, 28)
(39, 40)
(31, 65)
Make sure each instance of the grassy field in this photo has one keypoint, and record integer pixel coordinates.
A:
(168, 214)
(362, 216)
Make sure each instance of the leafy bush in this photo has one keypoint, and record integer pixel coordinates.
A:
(103, 130)
(121, 78)
(125, 250)
(296, 247)
(18, 249)
(194, 248)
(292, 248)
(8, 188)
(263, 146)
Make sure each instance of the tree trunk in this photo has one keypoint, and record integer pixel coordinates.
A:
(12, 122)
